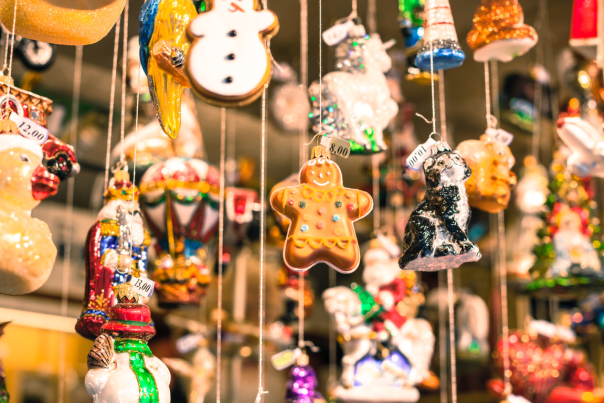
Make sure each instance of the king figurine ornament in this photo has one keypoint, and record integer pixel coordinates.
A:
(321, 211)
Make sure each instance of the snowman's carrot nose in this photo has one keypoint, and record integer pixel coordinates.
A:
(235, 8)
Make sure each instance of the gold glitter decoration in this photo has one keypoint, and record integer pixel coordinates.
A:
(64, 22)
(497, 20)
(125, 292)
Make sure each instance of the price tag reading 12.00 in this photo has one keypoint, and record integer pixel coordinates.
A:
(336, 146)
(30, 129)
(143, 286)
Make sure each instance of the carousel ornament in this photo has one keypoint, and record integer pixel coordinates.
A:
(63, 23)
(121, 366)
(179, 199)
(489, 188)
(586, 144)
(436, 234)
(230, 67)
(441, 48)
(499, 31)
(356, 100)
(116, 248)
(322, 213)
(163, 47)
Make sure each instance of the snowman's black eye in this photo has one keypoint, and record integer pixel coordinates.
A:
(232, 33)
(228, 80)
(230, 56)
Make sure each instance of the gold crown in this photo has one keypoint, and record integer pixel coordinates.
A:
(121, 188)
(320, 151)
(125, 293)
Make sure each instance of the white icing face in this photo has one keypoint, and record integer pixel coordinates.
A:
(229, 58)
(321, 172)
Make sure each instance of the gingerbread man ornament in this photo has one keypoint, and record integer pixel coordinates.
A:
(321, 211)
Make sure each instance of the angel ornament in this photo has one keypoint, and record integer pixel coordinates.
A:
(436, 234)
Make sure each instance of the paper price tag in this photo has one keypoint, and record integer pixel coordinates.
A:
(501, 136)
(30, 129)
(337, 33)
(143, 286)
(188, 342)
(336, 146)
(285, 358)
(420, 154)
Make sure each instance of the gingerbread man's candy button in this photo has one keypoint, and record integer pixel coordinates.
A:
(337, 231)
(290, 202)
(307, 217)
(338, 204)
(321, 211)
(335, 218)
(304, 228)
(350, 206)
(320, 225)
(302, 204)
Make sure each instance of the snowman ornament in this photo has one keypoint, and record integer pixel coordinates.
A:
(228, 63)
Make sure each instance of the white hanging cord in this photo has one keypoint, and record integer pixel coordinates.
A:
(68, 228)
(138, 93)
(220, 252)
(433, 120)
(504, 306)
(333, 366)
(124, 74)
(112, 101)
(539, 63)
(10, 64)
(371, 11)
(303, 150)
(451, 300)
(491, 120)
(301, 310)
(375, 176)
(441, 99)
(494, 76)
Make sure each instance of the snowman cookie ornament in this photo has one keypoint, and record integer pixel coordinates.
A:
(228, 63)
(321, 211)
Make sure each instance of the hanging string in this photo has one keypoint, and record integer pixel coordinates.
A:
(433, 120)
(124, 74)
(494, 76)
(371, 11)
(504, 306)
(138, 93)
(442, 282)
(68, 228)
(220, 252)
(116, 46)
(536, 143)
(333, 366)
(303, 133)
(10, 65)
(321, 62)
(451, 296)
(375, 176)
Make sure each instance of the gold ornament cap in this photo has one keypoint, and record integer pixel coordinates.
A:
(126, 293)
(320, 151)
(121, 187)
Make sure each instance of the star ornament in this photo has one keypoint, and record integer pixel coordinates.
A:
(322, 213)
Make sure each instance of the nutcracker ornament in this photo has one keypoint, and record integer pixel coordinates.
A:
(121, 366)
(62, 22)
(436, 234)
(228, 64)
(499, 31)
(489, 188)
(116, 248)
(322, 213)
(179, 199)
(163, 46)
(441, 49)
(356, 100)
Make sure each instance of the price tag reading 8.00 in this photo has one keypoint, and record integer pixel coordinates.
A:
(30, 129)
(337, 146)
(143, 286)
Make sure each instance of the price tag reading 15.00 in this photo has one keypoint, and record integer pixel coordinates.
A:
(30, 129)
(143, 286)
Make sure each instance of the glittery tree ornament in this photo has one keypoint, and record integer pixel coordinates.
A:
(303, 385)
(440, 38)
(62, 22)
(121, 366)
(499, 31)
(356, 103)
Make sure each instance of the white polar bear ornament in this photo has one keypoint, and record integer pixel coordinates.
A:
(228, 63)
(586, 144)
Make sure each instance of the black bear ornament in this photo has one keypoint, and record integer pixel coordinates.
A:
(436, 234)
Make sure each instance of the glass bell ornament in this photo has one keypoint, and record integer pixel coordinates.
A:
(64, 22)
(179, 200)
(163, 46)
(121, 366)
(499, 31)
(489, 188)
(116, 247)
(440, 38)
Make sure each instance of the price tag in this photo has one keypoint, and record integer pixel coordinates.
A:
(143, 286)
(501, 136)
(337, 33)
(336, 146)
(420, 154)
(285, 358)
(188, 342)
(30, 129)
